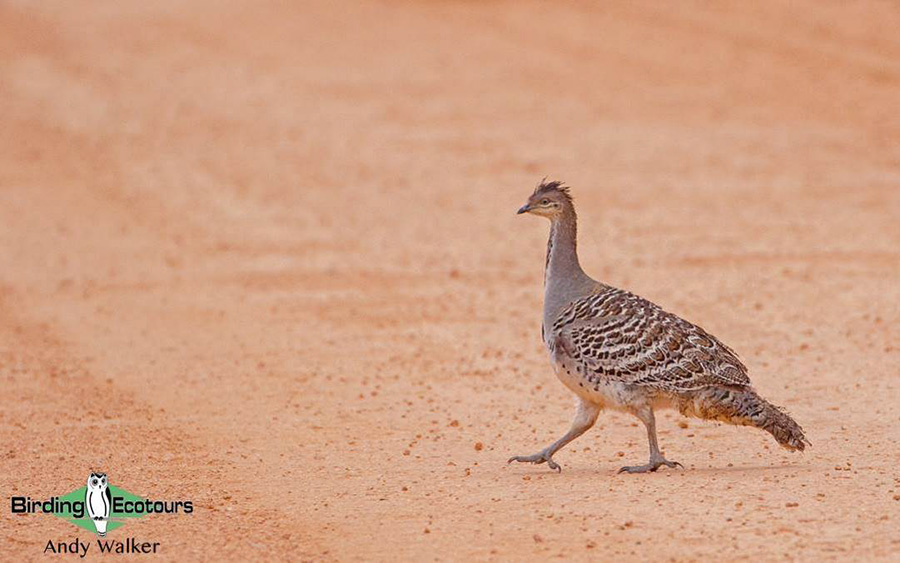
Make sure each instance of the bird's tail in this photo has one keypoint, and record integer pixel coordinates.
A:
(744, 407)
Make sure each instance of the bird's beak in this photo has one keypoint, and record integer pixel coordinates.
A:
(524, 209)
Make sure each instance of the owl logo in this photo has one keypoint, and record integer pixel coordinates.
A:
(98, 501)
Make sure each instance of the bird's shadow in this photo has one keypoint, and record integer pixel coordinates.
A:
(587, 471)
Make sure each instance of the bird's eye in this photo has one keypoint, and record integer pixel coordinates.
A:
(94, 482)
(545, 202)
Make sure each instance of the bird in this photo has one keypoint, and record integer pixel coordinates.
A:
(616, 350)
(98, 500)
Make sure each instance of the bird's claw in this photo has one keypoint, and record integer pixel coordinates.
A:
(538, 458)
(650, 467)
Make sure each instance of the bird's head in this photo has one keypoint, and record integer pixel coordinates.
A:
(550, 199)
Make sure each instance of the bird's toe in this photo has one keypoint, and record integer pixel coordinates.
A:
(650, 467)
(637, 469)
(538, 458)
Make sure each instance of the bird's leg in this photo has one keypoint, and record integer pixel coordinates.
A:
(584, 419)
(645, 413)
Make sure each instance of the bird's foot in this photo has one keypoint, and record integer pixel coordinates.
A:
(655, 463)
(542, 456)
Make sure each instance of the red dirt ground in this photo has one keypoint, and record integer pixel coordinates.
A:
(265, 257)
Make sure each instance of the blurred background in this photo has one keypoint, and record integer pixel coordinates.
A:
(266, 254)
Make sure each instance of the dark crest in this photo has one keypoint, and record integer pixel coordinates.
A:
(553, 186)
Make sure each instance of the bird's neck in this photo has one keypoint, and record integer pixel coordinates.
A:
(564, 280)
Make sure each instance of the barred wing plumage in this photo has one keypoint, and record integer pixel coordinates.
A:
(618, 336)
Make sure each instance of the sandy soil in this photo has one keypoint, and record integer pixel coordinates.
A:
(265, 257)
